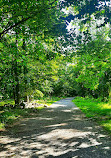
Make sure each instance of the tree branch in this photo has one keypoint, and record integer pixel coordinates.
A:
(14, 25)
(22, 21)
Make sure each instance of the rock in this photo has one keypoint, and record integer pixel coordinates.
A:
(45, 106)
(26, 104)
(11, 106)
(35, 110)
(7, 105)
(22, 105)
(15, 106)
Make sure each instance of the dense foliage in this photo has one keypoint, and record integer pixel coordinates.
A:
(40, 55)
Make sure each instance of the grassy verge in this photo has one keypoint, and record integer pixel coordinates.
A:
(8, 116)
(95, 109)
(48, 100)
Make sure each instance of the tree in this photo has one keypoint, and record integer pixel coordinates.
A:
(21, 23)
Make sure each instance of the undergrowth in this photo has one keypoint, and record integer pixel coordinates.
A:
(8, 116)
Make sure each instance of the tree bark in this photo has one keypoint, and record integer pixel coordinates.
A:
(17, 89)
(26, 97)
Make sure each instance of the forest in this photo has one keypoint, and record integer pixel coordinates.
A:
(58, 48)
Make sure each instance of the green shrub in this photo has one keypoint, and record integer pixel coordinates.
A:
(38, 94)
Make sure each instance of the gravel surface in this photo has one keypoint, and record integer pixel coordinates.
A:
(59, 131)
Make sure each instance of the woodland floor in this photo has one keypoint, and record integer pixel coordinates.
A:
(59, 131)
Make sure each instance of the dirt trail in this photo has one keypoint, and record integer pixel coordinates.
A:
(59, 131)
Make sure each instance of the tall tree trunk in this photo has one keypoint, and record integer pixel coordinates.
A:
(25, 84)
(109, 94)
(14, 92)
(17, 89)
(25, 71)
(13, 77)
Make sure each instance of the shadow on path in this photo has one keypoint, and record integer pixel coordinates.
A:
(59, 131)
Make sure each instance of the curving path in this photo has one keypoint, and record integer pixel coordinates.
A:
(59, 131)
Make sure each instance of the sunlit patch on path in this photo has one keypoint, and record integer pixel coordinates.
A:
(59, 131)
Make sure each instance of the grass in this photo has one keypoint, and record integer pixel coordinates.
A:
(10, 101)
(48, 100)
(2, 126)
(8, 116)
(94, 108)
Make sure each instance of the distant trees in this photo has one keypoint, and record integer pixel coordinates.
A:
(95, 72)
(89, 71)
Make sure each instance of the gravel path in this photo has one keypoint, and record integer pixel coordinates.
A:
(59, 131)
